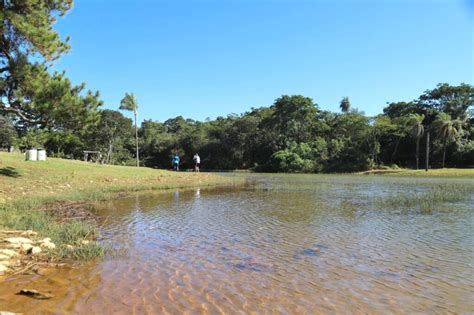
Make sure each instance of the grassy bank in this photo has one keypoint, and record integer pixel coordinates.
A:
(441, 172)
(26, 186)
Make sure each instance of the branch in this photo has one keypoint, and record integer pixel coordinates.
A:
(18, 112)
(6, 53)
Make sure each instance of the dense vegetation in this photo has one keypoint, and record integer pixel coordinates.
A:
(294, 134)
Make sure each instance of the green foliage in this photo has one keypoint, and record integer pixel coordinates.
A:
(113, 136)
(288, 161)
(27, 89)
(8, 133)
(403, 109)
(39, 98)
(351, 131)
(291, 135)
(33, 139)
(416, 125)
(27, 26)
(64, 144)
(302, 157)
(417, 130)
(447, 128)
(345, 104)
(294, 118)
(464, 153)
(452, 100)
(129, 102)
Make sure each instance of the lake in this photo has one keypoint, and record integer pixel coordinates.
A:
(282, 244)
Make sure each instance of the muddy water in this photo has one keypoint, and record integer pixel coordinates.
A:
(286, 245)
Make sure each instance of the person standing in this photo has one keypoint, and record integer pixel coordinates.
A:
(175, 162)
(197, 162)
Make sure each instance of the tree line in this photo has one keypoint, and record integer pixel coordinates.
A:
(291, 135)
(41, 108)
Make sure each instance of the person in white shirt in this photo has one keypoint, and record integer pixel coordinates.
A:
(197, 161)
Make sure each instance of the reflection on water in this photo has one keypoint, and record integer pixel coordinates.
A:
(291, 244)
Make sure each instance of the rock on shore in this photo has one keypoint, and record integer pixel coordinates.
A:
(18, 246)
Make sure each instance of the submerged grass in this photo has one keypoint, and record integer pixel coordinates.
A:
(429, 198)
(440, 172)
(27, 186)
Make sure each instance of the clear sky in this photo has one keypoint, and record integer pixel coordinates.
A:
(209, 58)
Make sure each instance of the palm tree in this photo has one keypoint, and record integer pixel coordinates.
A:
(447, 129)
(345, 104)
(129, 102)
(417, 130)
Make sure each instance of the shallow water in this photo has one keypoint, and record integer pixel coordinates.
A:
(286, 244)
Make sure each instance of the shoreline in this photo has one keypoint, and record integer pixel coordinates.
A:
(53, 199)
(68, 215)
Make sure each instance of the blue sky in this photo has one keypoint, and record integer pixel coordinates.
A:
(210, 58)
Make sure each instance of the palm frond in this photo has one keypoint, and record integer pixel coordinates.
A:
(129, 102)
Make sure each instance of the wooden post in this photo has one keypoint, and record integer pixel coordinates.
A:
(427, 150)
(136, 137)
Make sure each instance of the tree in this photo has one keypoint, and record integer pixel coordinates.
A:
(345, 104)
(381, 126)
(452, 100)
(65, 144)
(417, 130)
(399, 131)
(8, 134)
(347, 142)
(294, 118)
(27, 27)
(27, 32)
(34, 138)
(112, 135)
(129, 102)
(401, 109)
(38, 98)
(447, 129)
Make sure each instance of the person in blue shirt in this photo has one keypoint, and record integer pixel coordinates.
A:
(175, 162)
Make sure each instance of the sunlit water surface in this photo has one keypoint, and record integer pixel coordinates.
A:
(284, 245)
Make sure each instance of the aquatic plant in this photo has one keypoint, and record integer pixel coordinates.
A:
(430, 197)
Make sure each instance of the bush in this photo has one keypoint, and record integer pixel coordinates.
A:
(287, 161)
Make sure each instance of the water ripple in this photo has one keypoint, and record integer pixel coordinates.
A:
(290, 245)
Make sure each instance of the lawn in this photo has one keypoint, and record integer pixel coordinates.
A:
(62, 179)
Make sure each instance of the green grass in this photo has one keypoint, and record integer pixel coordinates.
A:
(58, 177)
(441, 172)
(26, 186)
(429, 198)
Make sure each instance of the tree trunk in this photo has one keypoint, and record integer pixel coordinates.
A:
(417, 151)
(394, 151)
(427, 160)
(109, 152)
(444, 151)
(136, 138)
